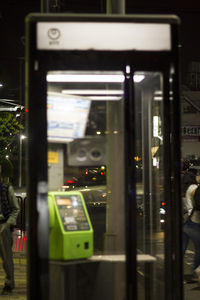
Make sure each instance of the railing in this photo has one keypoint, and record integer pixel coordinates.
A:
(19, 234)
(21, 219)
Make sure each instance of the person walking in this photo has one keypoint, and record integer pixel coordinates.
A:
(9, 210)
(191, 227)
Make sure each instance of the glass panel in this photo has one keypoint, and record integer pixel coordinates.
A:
(85, 164)
(149, 185)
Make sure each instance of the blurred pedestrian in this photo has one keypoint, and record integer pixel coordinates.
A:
(191, 227)
(9, 210)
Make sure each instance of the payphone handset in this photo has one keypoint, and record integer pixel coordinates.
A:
(71, 232)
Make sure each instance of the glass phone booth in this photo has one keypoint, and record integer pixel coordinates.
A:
(103, 124)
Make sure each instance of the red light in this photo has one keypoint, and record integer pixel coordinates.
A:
(21, 241)
(101, 173)
(26, 109)
(86, 172)
(71, 181)
(163, 203)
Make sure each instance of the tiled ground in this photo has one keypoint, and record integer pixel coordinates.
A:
(19, 253)
(19, 292)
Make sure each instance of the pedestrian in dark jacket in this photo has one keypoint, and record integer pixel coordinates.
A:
(9, 210)
(191, 227)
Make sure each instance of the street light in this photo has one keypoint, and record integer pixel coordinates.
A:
(21, 138)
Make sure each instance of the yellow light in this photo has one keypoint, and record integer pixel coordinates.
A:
(137, 158)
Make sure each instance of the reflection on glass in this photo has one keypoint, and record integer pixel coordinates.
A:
(85, 131)
(149, 185)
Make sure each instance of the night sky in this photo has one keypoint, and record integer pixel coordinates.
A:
(12, 32)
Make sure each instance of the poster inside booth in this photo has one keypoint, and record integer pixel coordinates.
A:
(67, 117)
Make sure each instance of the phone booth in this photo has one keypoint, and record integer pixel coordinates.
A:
(103, 127)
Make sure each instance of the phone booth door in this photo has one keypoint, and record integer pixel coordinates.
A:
(155, 202)
(102, 158)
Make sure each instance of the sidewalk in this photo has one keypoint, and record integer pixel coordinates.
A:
(19, 254)
(19, 293)
(191, 288)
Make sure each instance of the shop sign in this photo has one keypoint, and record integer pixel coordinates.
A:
(191, 131)
(52, 157)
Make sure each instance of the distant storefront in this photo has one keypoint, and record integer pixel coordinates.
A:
(191, 132)
(190, 124)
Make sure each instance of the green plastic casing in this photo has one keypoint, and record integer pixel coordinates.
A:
(68, 245)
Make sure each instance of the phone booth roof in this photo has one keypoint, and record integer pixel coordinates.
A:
(58, 32)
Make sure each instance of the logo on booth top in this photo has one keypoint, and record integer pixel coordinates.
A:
(54, 33)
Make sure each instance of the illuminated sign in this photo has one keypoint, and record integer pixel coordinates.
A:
(103, 36)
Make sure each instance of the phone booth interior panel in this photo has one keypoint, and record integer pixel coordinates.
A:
(103, 126)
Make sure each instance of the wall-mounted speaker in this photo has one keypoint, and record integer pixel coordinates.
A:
(87, 152)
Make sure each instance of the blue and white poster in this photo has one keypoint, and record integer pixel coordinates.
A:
(67, 117)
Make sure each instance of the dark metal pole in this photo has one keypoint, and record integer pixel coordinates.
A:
(45, 6)
(115, 6)
(37, 204)
(118, 6)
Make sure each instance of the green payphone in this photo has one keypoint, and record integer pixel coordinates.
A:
(71, 233)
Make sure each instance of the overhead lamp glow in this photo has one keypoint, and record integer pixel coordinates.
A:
(138, 77)
(22, 137)
(85, 78)
(157, 98)
(93, 92)
(66, 140)
(1, 84)
(91, 78)
(103, 98)
(158, 93)
(128, 69)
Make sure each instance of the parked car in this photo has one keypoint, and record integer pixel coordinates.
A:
(86, 177)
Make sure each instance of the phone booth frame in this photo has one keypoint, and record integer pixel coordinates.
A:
(40, 58)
